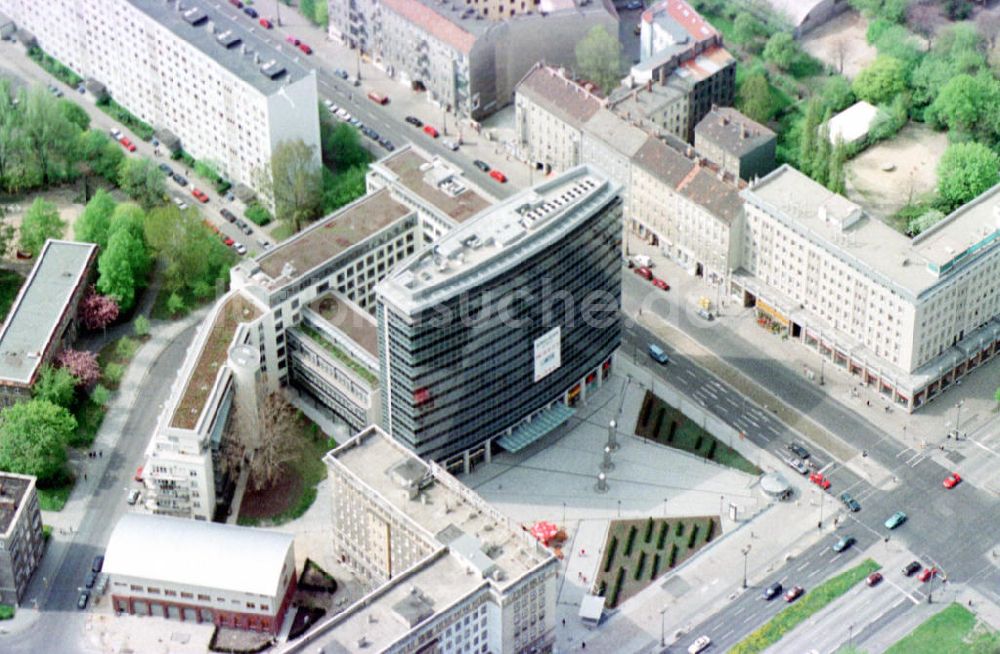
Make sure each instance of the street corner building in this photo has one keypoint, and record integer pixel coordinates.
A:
(21, 540)
(194, 571)
(490, 336)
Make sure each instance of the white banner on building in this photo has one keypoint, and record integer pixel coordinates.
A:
(548, 353)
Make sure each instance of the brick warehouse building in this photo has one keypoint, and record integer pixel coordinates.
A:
(197, 571)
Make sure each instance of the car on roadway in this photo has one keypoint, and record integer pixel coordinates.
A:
(911, 568)
(895, 520)
(820, 480)
(430, 131)
(54, 90)
(643, 272)
(498, 176)
(844, 543)
(797, 465)
(166, 169)
(772, 591)
(247, 229)
(481, 165)
(138, 474)
(81, 601)
(354, 121)
(952, 480)
(451, 144)
(133, 496)
(199, 195)
(294, 41)
(794, 593)
(850, 502)
(657, 354)
(342, 74)
(699, 645)
(266, 24)
(659, 283)
(240, 248)
(927, 574)
(181, 204)
(413, 120)
(236, 3)
(251, 12)
(343, 114)
(798, 450)
(705, 314)
(388, 145)
(90, 579)
(98, 563)
(179, 179)
(874, 579)
(633, 4)
(228, 215)
(305, 49)
(127, 143)
(115, 133)
(227, 240)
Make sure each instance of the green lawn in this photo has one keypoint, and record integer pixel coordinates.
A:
(639, 551)
(54, 499)
(812, 602)
(662, 423)
(10, 284)
(945, 633)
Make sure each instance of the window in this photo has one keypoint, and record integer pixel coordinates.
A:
(204, 598)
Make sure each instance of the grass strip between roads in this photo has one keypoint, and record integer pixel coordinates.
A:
(810, 603)
(944, 633)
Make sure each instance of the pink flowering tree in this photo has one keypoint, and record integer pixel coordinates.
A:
(97, 311)
(81, 364)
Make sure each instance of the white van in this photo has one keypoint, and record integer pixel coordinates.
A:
(642, 261)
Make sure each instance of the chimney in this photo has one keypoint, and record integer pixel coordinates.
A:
(744, 132)
(723, 121)
(649, 85)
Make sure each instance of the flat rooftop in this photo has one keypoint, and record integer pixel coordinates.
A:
(436, 182)
(349, 318)
(330, 236)
(60, 270)
(451, 518)
(969, 229)
(233, 44)
(13, 488)
(869, 242)
(235, 310)
(495, 240)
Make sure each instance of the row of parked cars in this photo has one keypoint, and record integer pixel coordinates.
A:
(345, 116)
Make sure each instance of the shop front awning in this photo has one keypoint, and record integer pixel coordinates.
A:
(527, 433)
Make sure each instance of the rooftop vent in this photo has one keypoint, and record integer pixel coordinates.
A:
(272, 69)
(194, 16)
(228, 39)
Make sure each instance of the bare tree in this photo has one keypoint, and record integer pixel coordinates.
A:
(264, 434)
(924, 18)
(840, 52)
(989, 27)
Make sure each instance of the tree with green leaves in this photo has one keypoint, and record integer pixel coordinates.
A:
(342, 189)
(193, 256)
(754, 98)
(965, 171)
(880, 81)
(924, 221)
(47, 131)
(967, 104)
(996, 395)
(93, 224)
(836, 93)
(33, 438)
(104, 155)
(294, 181)
(142, 181)
(11, 135)
(599, 58)
(747, 29)
(41, 222)
(836, 176)
(807, 139)
(122, 268)
(781, 50)
(341, 146)
(74, 113)
(824, 151)
(55, 385)
(7, 233)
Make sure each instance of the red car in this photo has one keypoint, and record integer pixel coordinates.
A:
(952, 480)
(497, 175)
(199, 195)
(794, 593)
(138, 474)
(874, 579)
(821, 481)
(292, 40)
(430, 131)
(644, 272)
(236, 3)
(659, 283)
(127, 144)
(305, 48)
(228, 241)
(927, 574)
(266, 24)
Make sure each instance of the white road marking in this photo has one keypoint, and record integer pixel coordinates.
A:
(813, 573)
(803, 566)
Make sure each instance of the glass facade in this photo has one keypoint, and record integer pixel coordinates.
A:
(463, 371)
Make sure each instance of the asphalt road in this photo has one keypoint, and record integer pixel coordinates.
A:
(60, 621)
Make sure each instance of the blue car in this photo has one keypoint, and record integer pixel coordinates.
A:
(250, 11)
(895, 520)
(657, 354)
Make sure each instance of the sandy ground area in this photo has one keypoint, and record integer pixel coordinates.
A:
(914, 152)
(63, 198)
(841, 39)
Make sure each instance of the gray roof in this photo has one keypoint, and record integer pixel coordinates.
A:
(40, 305)
(13, 488)
(564, 98)
(247, 55)
(732, 131)
(663, 161)
(616, 132)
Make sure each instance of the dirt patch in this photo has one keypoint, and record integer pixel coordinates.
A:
(64, 198)
(274, 499)
(914, 153)
(841, 43)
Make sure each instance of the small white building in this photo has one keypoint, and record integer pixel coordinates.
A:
(200, 571)
(852, 124)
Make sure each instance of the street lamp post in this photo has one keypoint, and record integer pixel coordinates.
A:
(822, 367)
(619, 508)
(745, 551)
(850, 635)
(663, 628)
(665, 507)
(958, 418)
(564, 514)
(822, 493)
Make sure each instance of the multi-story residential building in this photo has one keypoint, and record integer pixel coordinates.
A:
(182, 65)
(21, 540)
(742, 147)
(444, 569)
(43, 319)
(467, 57)
(473, 353)
(231, 576)
(907, 317)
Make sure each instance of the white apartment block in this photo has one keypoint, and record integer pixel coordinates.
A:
(907, 317)
(443, 569)
(183, 66)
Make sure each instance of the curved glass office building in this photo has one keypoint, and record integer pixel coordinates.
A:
(490, 336)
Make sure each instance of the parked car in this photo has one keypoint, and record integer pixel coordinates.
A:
(952, 480)
(797, 465)
(772, 591)
(413, 120)
(430, 131)
(294, 41)
(264, 245)
(705, 314)
(798, 450)
(911, 568)
(266, 24)
(138, 474)
(81, 601)
(378, 98)
(820, 480)
(927, 574)
(498, 176)
(166, 169)
(895, 520)
(227, 240)
(342, 74)
(874, 579)
(844, 543)
(342, 114)
(127, 143)
(657, 354)
(181, 204)
(643, 260)
(179, 179)
(659, 283)
(699, 645)
(643, 272)
(240, 223)
(90, 579)
(115, 133)
(481, 165)
(850, 502)
(236, 3)
(228, 215)
(133, 496)
(794, 593)
(199, 195)
(246, 229)
(451, 144)
(305, 49)
(251, 12)
(240, 248)
(98, 563)
(54, 90)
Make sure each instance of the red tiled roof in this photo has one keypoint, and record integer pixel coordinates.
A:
(433, 23)
(684, 15)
